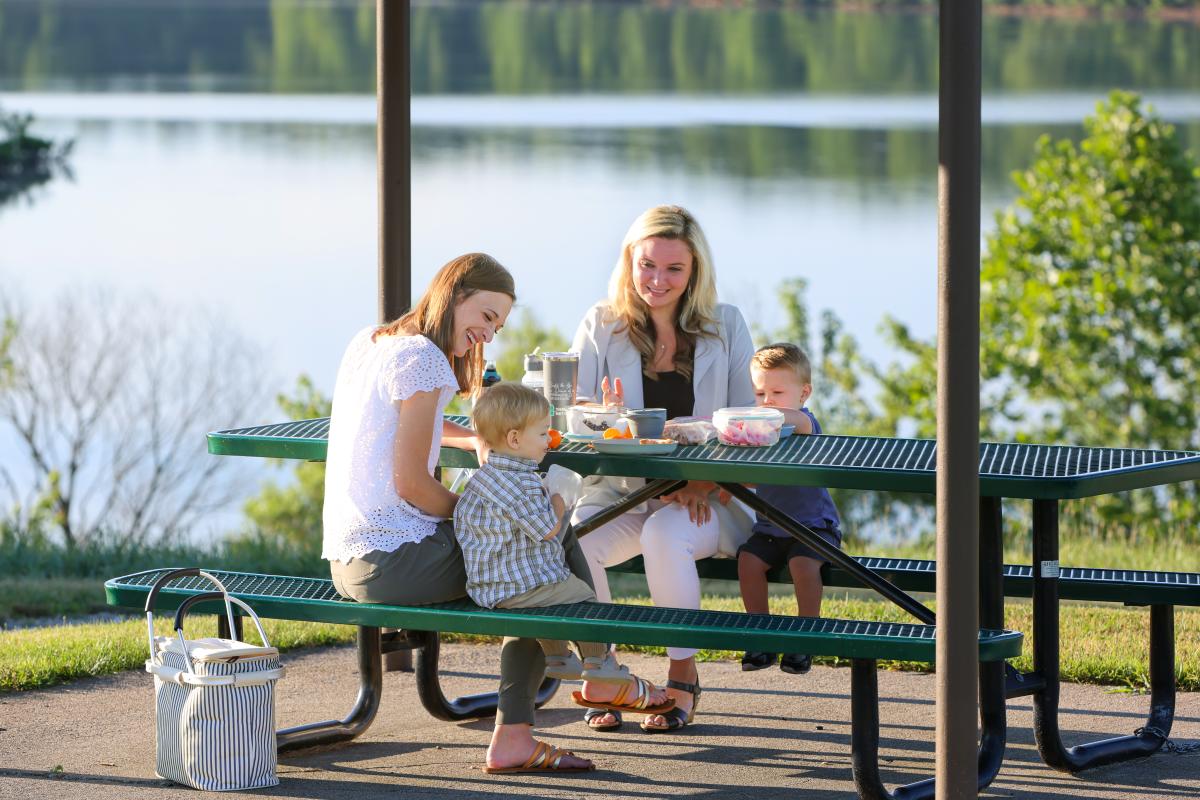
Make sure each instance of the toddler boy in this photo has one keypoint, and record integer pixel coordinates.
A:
(782, 378)
(508, 528)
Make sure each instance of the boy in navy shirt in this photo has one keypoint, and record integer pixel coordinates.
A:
(782, 378)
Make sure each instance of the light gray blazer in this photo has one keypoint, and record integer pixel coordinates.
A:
(720, 378)
(720, 373)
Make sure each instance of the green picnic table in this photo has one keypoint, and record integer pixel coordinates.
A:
(1044, 474)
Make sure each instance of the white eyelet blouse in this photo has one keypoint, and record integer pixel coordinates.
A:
(363, 511)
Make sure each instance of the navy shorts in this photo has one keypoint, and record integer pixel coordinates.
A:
(777, 551)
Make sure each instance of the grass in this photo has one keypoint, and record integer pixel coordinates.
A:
(1100, 644)
(33, 598)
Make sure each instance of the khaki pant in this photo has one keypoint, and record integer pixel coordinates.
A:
(572, 590)
(431, 571)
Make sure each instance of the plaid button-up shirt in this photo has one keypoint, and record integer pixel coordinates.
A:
(501, 522)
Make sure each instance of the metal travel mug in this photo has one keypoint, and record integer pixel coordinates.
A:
(561, 377)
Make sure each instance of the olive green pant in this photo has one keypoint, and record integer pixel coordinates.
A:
(431, 571)
(572, 590)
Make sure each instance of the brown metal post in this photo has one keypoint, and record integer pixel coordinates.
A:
(393, 137)
(958, 399)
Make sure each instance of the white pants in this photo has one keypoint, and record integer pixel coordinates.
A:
(670, 545)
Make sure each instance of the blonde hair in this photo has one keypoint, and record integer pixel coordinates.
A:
(784, 355)
(433, 315)
(698, 307)
(507, 407)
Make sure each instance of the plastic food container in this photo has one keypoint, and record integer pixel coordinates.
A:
(591, 418)
(750, 426)
(690, 430)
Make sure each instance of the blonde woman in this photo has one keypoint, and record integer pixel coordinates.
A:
(388, 531)
(661, 340)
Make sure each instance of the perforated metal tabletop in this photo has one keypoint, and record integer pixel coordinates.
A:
(852, 462)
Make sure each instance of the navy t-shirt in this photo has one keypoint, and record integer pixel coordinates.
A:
(808, 505)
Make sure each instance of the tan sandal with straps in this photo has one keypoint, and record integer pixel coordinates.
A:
(545, 758)
(633, 696)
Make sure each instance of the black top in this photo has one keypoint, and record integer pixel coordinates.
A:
(671, 391)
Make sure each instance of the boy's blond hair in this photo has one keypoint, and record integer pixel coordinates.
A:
(507, 407)
(784, 354)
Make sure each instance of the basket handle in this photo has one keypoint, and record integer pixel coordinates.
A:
(206, 596)
(185, 572)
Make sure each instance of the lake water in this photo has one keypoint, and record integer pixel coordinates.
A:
(225, 152)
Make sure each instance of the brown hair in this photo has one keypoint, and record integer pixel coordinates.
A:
(697, 307)
(784, 354)
(506, 407)
(433, 315)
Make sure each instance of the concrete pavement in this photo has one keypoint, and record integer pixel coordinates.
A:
(758, 735)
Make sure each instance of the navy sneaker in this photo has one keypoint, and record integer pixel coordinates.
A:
(794, 663)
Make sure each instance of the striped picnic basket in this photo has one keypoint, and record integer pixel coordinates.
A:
(214, 700)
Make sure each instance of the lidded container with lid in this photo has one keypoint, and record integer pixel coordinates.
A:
(748, 426)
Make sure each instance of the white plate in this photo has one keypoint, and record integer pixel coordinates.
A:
(632, 447)
(582, 437)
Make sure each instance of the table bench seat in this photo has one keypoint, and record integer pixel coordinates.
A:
(314, 599)
(1130, 586)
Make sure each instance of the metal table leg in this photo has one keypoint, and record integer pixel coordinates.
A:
(471, 706)
(370, 687)
(1146, 740)
(654, 488)
(864, 732)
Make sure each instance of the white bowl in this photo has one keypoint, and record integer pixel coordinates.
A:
(591, 418)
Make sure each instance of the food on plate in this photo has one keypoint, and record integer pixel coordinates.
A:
(748, 426)
(617, 433)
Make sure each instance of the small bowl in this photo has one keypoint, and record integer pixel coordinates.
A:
(647, 423)
(591, 418)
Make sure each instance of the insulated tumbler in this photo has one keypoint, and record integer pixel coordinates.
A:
(561, 376)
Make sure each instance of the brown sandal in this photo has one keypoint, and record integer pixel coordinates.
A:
(633, 696)
(545, 758)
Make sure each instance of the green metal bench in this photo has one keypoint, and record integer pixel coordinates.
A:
(1133, 587)
(314, 599)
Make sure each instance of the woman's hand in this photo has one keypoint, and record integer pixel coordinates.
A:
(694, 497)
(613, 394)
(481, 449)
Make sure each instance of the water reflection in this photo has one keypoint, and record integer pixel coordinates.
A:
(294, 46)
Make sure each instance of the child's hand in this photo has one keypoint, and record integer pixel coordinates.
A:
(557, 503)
